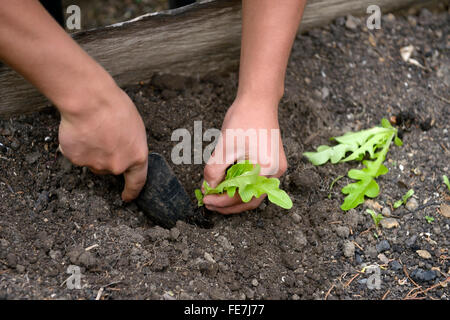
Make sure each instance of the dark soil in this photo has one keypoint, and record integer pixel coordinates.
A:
(339, 79)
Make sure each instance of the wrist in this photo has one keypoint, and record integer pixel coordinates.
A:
(88, 96)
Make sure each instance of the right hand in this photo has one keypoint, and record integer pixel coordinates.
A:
(107, 135)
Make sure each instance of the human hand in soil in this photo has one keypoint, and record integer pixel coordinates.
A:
(110, 138)
(246, 134)
(268, 32)
(100, 126)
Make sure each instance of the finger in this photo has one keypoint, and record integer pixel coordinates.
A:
(215, 169)
(135, 178)
(252, 204)
(99, 172)
(222, 200)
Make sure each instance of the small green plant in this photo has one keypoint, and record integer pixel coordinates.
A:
(447, 183)
(376, 142)
(244, 178)
(429, 219)
(404, 199)
(376, 217)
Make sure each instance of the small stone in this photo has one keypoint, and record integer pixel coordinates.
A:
(411, 242)
(296, 218)
(255, 283)
(325, 93)
(358, 258)
(4, 243)
(11, 259)
(20, 268)
(395, 265)
(174, 233)
(225, 243)
(386, 212)
(32, 157)
(349, 249)
(383, 258)
(445, 210)
(421, 275)
(87, 259)
(209, 258)
(74, 254)
(55, 254)
(343, 231)
(382, 246)
(412, 204)
(389, 223)
(295, 297)
(424, 254)
(351, 22)
(371, 252)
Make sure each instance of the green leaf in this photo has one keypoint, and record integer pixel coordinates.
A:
(244, 178)
(358, 143)
(447, 183)
(375, 142)
(199, 196)
(404, 199)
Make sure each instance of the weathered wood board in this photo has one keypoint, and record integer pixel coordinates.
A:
(195, 40)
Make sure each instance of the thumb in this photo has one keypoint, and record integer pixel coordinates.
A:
(135, 178)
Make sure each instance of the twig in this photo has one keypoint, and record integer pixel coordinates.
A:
(99, 293)
(328, 292)
(385, 295)
(356, 244)
(351, 280)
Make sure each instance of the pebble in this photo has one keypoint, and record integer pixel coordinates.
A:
(421, 275)
(382, 246)
(372, 252)
(208, 257)
(20, 268)
(412, 204)
(174, 233)
(383, 258)
(225, 243)
(358, 259)
(386, 212)
(411, 242)
(424, 254)
(32, 157)
(255, 283)
(4, 243)
(389, 223)
(349, 249)
(395, 265)
(351, 22)
(296, 218)
(445, 210)
(343, 231)
(11, 259)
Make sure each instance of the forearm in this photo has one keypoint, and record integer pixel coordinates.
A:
(33, 44)
(268, 32)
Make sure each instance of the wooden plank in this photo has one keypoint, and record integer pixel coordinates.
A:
(195, 40)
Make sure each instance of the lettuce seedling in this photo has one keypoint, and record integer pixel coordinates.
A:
(376, 217)
(375, 142)
(447, 183)
(244, 178)
(404, 199)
